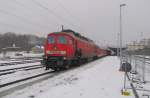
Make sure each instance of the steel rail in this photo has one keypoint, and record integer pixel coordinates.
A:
(133, 88)
(16, 63)
(29, 68)
(21, 80)
(18, 68)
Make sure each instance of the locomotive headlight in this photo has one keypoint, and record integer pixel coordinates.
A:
(64, 58)
(48, 52)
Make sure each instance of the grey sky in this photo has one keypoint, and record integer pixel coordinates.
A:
(96, 19)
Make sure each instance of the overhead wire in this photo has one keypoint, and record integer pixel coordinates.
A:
(42, 6)
(46, 9)
(68, 12)
(21, 18)
(15, 26)
(52, 12)
(24, 6)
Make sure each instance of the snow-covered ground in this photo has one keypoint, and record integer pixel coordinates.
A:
(98, 79)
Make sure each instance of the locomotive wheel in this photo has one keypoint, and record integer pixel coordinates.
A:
(80, 61)
(46, 68)
(67, 66)
(56, 69)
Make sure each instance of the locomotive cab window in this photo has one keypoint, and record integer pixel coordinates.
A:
(50, 40)
(62, 40)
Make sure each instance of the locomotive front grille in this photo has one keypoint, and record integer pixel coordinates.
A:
(55, 58)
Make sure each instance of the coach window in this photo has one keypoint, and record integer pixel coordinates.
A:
(62, 40)
(50, 40)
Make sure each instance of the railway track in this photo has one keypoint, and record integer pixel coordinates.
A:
(24, 79)
(35, 76)
(18, 62)
(143, 60)
(132, 86)
(21, 58)
(7, 88)
(12, 70)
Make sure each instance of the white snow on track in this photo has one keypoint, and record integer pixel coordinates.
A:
(20, 75)
(18, 65)
(98, 79)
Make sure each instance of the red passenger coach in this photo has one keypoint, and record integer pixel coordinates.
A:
(63, 49)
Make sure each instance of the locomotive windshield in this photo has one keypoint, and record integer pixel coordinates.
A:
(62, 40)
(50, 40)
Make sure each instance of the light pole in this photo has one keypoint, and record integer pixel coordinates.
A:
(118, 36)
(121, 56)
(121, 5)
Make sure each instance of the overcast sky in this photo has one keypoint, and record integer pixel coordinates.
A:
(96, 19)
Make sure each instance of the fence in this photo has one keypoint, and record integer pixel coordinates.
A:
(140, 74)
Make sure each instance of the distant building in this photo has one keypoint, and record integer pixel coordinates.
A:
(135, 46)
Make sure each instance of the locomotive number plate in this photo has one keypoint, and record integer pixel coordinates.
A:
(56, 52)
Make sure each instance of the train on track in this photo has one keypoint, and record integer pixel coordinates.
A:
(66, 48)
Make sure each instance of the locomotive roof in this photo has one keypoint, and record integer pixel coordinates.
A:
(77, 34)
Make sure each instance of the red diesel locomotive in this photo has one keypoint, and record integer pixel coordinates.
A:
(63, 49)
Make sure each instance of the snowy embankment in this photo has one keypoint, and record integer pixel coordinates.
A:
(98, 79)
